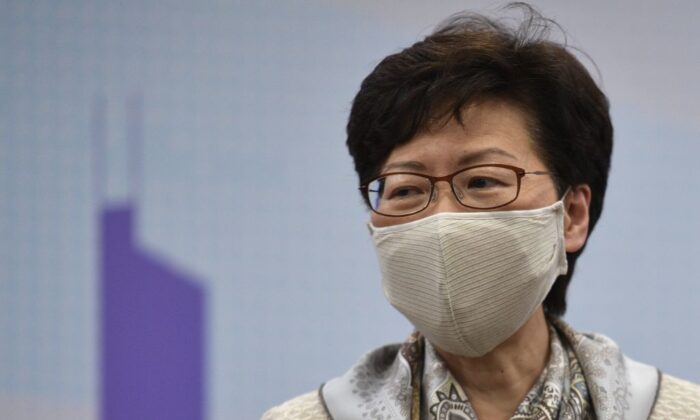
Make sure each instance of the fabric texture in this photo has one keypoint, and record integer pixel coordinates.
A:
(560, 392)
(678, 399)
(382, 386)
(470, 280)
(382, 382)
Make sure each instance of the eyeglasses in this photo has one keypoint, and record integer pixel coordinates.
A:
(481, 187)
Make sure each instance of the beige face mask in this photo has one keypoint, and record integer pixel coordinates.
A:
(468, 281)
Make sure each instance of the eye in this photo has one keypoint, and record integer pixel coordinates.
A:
(482, 183)
(405, 192)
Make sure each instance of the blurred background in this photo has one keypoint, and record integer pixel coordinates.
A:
(180, 232)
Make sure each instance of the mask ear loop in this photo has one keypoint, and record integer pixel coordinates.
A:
(566, 192)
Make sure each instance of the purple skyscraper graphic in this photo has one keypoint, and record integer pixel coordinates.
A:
(152, 316)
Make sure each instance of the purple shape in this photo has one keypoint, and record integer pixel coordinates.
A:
(152, 331)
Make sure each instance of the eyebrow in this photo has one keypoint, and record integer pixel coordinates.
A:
(407, 164)
(465, 160)
(481, 155)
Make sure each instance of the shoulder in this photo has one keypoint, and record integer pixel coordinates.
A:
(678, 399)
(304, 407)
(340, 395)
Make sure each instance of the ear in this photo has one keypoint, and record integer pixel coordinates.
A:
(576, 204)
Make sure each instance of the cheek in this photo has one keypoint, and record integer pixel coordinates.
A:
(380, 221)
(536, 193)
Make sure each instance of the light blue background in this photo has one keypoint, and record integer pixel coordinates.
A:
(247, 182)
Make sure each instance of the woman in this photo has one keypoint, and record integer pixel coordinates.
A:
(483, 154)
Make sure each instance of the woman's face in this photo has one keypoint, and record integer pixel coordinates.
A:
(492, 132)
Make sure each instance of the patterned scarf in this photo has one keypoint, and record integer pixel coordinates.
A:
(409, 381)
(559, 393)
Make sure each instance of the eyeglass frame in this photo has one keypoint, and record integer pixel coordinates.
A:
(519, 172)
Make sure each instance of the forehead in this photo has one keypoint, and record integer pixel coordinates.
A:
(490, 132)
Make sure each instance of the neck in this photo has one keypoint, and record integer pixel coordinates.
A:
(498, 381)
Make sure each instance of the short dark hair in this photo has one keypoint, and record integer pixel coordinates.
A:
(470, 58)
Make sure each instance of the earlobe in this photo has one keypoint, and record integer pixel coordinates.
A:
(576, 205)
